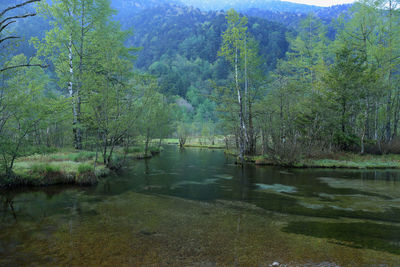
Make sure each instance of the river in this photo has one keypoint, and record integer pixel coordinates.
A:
(195, 207)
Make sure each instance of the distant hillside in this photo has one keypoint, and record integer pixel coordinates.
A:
(292, 19)
(188, 31)
(287, 13)
(242, 5)
(134, 6)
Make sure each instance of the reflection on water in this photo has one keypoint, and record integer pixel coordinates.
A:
(273, 214)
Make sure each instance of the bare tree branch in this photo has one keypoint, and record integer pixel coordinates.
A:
(8, 38)
(18, 17)
(5, 26)
(4, 23)
(17, 6)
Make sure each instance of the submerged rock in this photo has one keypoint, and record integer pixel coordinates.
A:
(145, 232)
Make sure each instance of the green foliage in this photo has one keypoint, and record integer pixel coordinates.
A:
(346, 141)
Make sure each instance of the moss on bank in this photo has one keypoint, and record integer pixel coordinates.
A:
(342, 160)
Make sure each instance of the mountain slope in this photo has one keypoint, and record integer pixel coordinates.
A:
(170, 30)
(241, 5)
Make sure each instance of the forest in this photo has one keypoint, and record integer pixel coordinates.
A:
(79, 78)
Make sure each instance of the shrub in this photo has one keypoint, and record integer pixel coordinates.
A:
(346, 142)
(115, 163)
(393, 147)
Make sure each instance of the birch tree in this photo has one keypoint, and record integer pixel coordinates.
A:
(241, 51)
(67, 46)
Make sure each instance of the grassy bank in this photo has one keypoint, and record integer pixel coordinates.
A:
(355, 161)
(64, 167)
(68, 167)
(338, 160)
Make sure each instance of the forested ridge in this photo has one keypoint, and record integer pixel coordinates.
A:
(81, 74)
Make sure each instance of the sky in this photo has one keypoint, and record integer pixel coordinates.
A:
(321, 2)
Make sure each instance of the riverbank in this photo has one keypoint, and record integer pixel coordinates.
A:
(335, 160)
(69, 167)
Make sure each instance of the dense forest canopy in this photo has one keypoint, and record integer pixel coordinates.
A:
(101, 75)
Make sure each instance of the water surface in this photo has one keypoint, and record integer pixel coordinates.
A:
(194, 207)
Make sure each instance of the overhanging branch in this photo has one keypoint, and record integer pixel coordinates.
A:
(17, 6)
(5, 26)
(23, 65)
(8, 38)
(18, 17)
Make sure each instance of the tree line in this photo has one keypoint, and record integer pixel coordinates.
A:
(327, 94)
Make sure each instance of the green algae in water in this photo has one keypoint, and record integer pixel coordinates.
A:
(312, 206)
(280, 188)
(388, 189)
(224, 176)
(188, 183)
(369, 235)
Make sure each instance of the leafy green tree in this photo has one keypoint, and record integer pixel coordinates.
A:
(112, 92)
(242, 53)
(23, 109)
(75, 27)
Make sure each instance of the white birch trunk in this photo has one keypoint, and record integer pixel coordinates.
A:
(71, 83)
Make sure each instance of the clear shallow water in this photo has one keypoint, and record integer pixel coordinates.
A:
(182, 204)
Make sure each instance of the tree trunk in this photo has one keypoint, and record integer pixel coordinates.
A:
(362, 142)
(242, 130)
(72, 93)
(159, 144)
(79, 87)
(388, 127)
(389, 100)
(343, 115)
(146, 148)
(252, 141)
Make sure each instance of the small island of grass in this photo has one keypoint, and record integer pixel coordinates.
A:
(67, 166)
